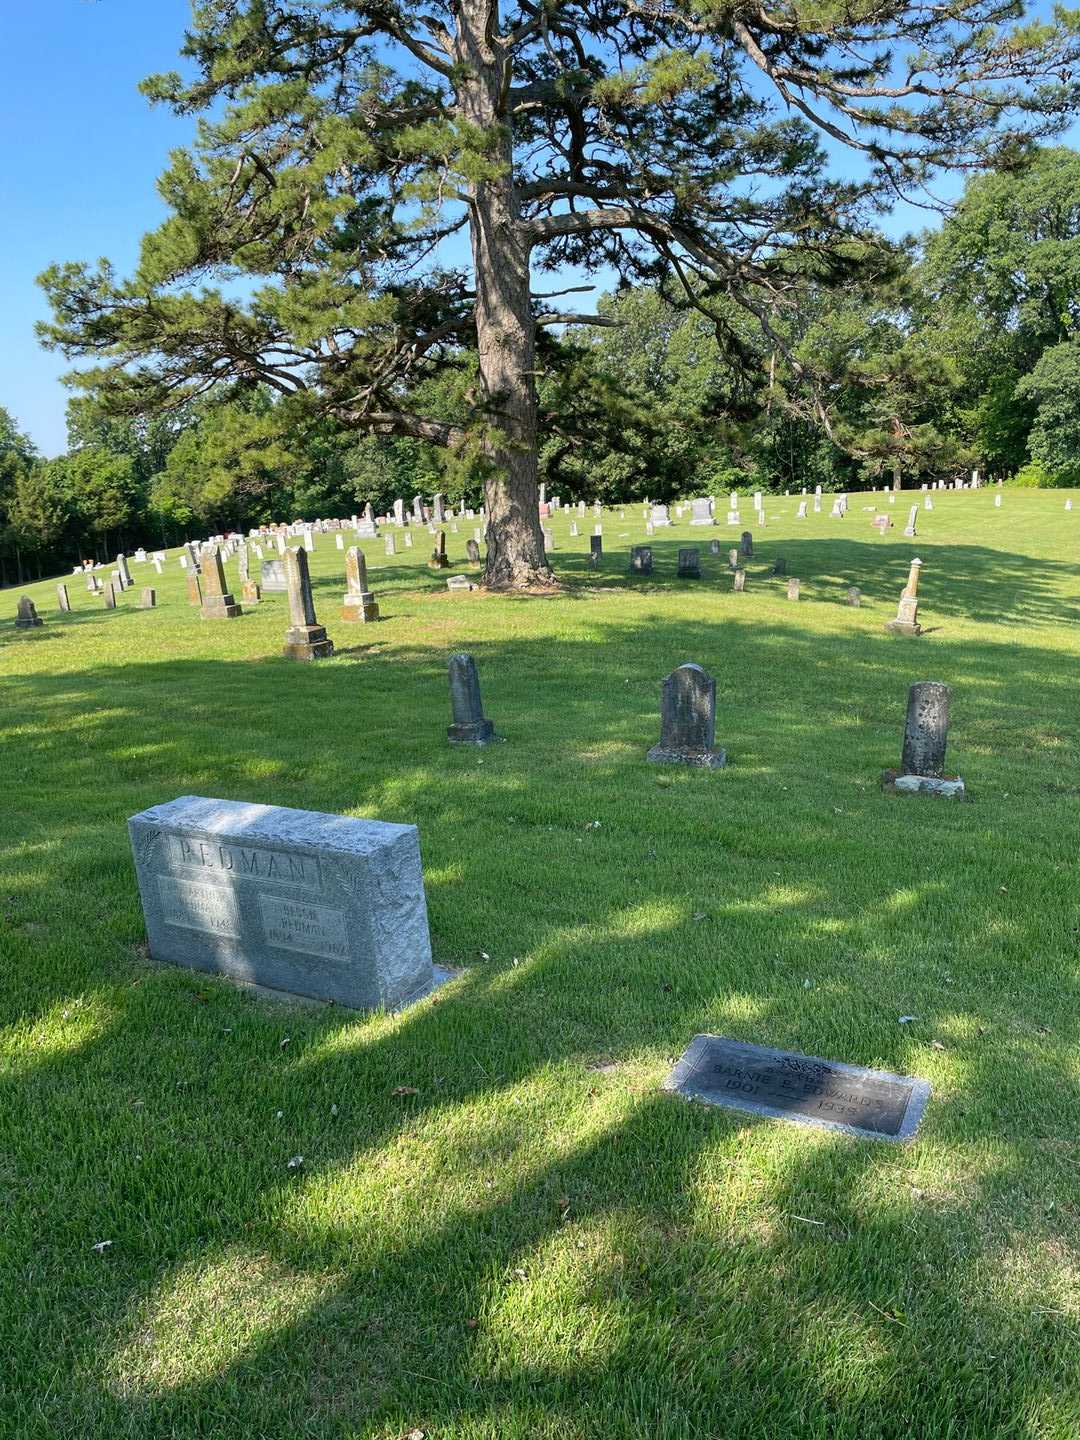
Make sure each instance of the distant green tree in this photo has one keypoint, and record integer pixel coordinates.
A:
(1002, 283)
(1053, 387)
(41, 509)
(102, 492)
(17, 455)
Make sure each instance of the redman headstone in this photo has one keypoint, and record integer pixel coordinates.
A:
(319, 905)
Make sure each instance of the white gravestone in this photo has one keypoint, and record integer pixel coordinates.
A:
(313, 904)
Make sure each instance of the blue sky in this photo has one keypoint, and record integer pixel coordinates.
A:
(82, 150)
(81, 156)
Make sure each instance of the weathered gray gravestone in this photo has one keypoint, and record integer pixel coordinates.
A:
(438, 508)
(689, 564)
(746, 543)
(359, 603)
(109, 594)
(305, 638)
(62, 597)
(313, 904)
(873, 1103)
(701, 512)
(907, 612)
(389, 545)
(217, 603)
(854, 596)
(148, 598)
(739, 581)
(793, 589)
(926, 732)
(469, 726)
(733, 558)
(272, 577)
(641, 560)
(596, 550)
(26, 616)
(688, 720)
(438, 559)
(714, 547)
(472, 552)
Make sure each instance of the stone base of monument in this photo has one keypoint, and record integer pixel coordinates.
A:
(307, 642)
(704, 759)
(903, 627)
(293, 901)
(949, 787)
(362, 608)
(220, 607)
(28, 622)
(439, 562)
(479, 732)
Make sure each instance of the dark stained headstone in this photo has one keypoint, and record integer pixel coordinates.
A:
(470, 726)
(714, 547)
(641, 560)
(779, 566)
(596, 551)
(26, 616)
(688, 720)
(359, 603)
(305, 638)
(690, 564)
(926, 729)
(871, 1103)
(746, 543)
(217, 603)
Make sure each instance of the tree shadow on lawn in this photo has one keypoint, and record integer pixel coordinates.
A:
(707, 1302)
(970, 581)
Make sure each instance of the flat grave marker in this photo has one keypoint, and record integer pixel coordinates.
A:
(788, 1086)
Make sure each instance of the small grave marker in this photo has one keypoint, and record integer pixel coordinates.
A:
(785, 1085)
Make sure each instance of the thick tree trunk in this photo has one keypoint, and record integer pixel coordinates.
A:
(505, 330)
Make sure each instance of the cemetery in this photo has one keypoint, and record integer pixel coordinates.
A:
(539, 633)
(634, 1040)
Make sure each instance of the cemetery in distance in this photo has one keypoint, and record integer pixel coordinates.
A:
(649, 1009)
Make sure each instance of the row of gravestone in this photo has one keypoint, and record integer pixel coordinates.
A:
(688, 726)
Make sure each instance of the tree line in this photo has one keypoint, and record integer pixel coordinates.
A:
(959, 351)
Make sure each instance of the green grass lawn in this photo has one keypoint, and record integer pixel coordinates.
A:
(538, 1242)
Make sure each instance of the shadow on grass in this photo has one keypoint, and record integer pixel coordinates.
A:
(526, 1247)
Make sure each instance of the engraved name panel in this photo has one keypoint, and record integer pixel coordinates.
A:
(250, 862)
(198, 907)
(780, 1083)
(310, 929)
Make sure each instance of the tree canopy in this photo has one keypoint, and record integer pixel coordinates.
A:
(373, 185)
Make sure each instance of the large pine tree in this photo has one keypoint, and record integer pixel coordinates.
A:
(347, 151)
